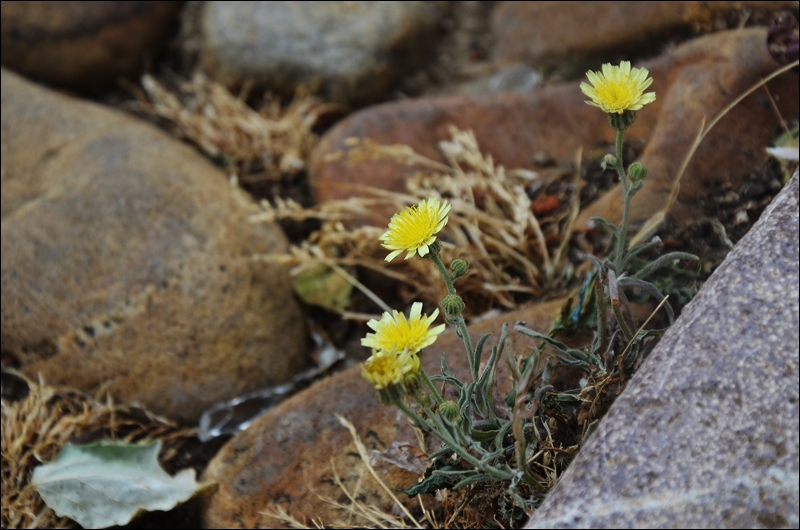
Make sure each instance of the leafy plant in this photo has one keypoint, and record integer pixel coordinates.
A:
(481, 441)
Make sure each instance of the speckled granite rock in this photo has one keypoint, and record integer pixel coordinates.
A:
(84, 45)
(706, 433)
(352, 51)
(126, 262)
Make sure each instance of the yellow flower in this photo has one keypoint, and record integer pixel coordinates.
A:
(414, 229)
(619, 88)
(385, 369)
(398, 333)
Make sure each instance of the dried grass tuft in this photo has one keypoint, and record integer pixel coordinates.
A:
(491, 224)
(37, 426)
(270, 143)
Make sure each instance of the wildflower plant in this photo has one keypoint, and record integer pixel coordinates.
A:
(496, 442)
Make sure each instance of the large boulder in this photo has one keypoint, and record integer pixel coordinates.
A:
(127, 262)
(351, 51)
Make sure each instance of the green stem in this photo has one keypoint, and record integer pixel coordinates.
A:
(413, 415)
(436, 395)
(622, 324)
(440, 432)
(602, 316)
(448, 280)
(445, 437)
(460, 324)
(626, 197)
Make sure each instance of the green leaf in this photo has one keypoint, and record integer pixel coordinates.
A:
(107, 483)
(432, 481)
(322, 286)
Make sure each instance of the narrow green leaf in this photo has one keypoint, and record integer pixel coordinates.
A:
(663, 261)
(608, 224)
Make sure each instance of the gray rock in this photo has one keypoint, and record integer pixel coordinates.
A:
(127, 262)
(706, 434)
(352, 51)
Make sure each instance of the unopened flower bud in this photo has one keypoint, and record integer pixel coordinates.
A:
(453, 306)
(390, 395)
(449, 411)
(458, 268)
(423, 398)
(637, 172)
(412, 383)
(609, 161)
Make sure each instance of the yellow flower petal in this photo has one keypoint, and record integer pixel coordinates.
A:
(386, 368)
(414, 229)
(395, 332)
(618, 88)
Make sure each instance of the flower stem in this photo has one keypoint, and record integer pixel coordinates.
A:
(442, 433)
(626, 197)
(602, 316)
(436, 395)
(413, 415)
(448, 280)
(460, 324)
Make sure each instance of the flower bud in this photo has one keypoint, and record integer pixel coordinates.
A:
(637, 172)
(390, 395)
(609, 161)
(453, 306)
(412, 383)
(621, 120)
(423, 398)
(458, 268)
(449, 411)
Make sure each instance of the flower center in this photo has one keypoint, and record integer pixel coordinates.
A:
(617, 94)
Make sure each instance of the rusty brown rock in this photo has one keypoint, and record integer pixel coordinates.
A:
(510, 127)
(83, 45)
(285, 457)
(126, 262)
(554, 33)
(696, 79)
(707, 75)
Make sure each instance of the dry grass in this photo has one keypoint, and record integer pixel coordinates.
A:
(37, 426)
(270, 143)
(491, 225)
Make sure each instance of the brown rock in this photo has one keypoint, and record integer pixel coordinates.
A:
(83, 45)
(699, 78)
(707, 74)
(510, 127)
(554, 33)
(285, 457)
(126, 262)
